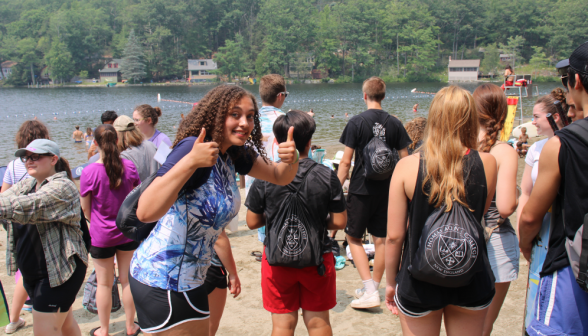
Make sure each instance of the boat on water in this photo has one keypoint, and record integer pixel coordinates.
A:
(110, 84)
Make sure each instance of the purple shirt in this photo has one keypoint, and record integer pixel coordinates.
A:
(158, 138)
(106, 202)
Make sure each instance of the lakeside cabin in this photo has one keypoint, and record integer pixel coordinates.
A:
(6, 69)
(111, 72)
(200, 70)
(463, 70)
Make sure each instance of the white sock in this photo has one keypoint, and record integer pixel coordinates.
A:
(370, 286)
(377, 285)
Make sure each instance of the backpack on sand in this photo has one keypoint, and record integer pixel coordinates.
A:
(379, 159)
(292, 240)
(451, 249)
(89, 301)
(577, 249)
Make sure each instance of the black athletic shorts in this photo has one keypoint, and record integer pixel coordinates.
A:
(216, 277)
(160, 310)
(367, 212)
(109, 252)
(56, 299)
(413, 309)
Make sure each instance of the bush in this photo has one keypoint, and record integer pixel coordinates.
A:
(545, 79)
(343, 79)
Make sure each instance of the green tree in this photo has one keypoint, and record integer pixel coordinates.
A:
(59, 60)
(27, 48)
(513, 47)
(231, 59)
(132, 66)
(491, 60)
(288, 27)
(538, 60)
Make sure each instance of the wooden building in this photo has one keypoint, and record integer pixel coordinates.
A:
(111, 72)
(200, 70)
(463, 70)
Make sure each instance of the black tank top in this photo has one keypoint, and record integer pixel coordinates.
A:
(424, 293)
(572, 197)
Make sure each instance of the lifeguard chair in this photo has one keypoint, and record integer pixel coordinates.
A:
(520, 82)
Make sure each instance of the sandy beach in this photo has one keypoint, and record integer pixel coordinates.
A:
(245, 314)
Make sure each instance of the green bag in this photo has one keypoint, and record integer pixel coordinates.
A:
(4, 316)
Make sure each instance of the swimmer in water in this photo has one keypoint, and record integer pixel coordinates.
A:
(415, 107)
(310, 113)
(78, 135)
(346, 115)
(332, 116)
(89, 137)
(54, 118)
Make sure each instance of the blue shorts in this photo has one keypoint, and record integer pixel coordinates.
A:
(561, 307)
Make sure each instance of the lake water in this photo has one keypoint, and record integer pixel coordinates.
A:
(83, 107)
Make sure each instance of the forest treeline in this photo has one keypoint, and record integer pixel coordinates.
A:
(402, 39)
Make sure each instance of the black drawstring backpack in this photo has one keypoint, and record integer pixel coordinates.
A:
(378, 159)
(451, 249)
(292, 240)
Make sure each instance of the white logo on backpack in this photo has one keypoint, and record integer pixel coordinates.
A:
(450, 250)
(293, 237)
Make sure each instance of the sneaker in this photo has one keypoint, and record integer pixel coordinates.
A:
(12, 327)
(367, 301)
(359, 292)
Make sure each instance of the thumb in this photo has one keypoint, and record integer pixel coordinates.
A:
(290, 134)
(201, 136)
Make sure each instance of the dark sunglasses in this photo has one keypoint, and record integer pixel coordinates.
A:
(285, 93)
(564, 81)
(33, 157)
(563, 74)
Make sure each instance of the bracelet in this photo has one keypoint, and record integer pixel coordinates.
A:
(297, 157)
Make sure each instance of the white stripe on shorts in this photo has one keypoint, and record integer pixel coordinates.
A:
(551, 299)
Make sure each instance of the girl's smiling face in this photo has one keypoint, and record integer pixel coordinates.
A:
(238, 124)
(540, 121)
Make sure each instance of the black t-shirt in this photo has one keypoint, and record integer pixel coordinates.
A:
(30, 256)
(357, 134)
(321, 194)
(572, 160)
(244, 159)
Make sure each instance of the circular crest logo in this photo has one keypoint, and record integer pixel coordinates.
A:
(450, 250)
(382, 160)
(293, 237)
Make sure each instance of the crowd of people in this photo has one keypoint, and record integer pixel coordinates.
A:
(435, 195)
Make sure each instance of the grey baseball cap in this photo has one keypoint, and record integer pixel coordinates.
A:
(39, 146)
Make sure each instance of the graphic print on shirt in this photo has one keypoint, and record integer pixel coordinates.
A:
(450, 250)
(178, 252)
(293, 237)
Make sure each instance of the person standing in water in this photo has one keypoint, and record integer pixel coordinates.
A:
(89, 137)
(415, 107)
(146, 118)
(78, 135)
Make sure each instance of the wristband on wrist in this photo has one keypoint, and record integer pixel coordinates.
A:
(297, 157)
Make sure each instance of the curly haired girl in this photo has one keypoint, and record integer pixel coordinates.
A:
(193, 198)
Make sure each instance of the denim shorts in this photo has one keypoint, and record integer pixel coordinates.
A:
(503, 254)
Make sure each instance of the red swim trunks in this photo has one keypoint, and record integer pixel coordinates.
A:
(286, 289)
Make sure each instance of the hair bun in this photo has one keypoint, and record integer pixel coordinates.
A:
(157, 111)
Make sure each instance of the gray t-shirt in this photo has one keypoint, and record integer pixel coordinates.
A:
(142, 157)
